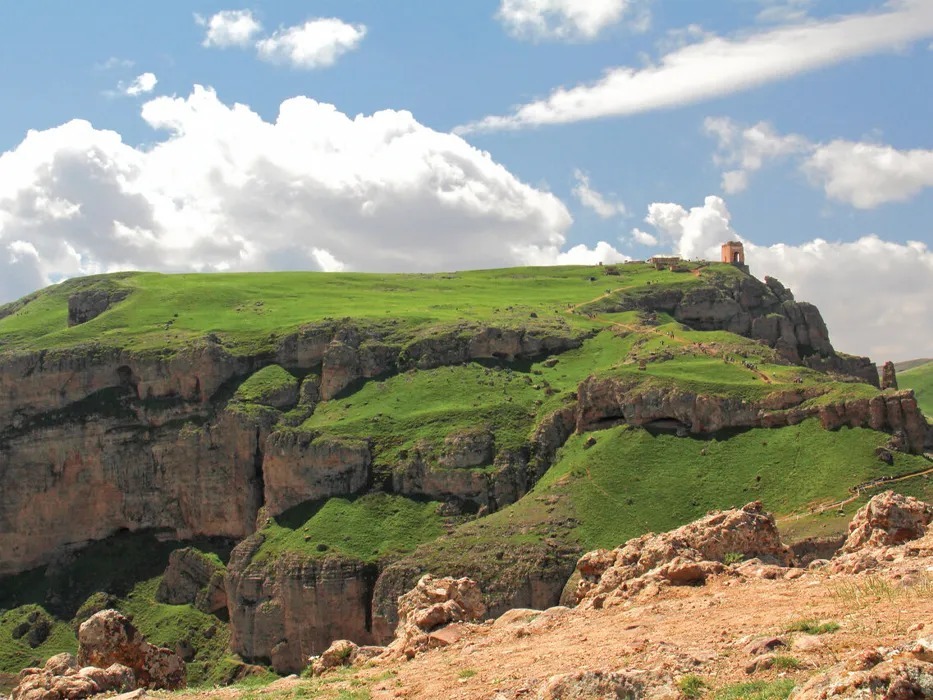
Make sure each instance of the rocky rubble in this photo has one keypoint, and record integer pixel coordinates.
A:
(112, 656)
(904, 673)
(685, 556)
(433, 604)
(888, 519)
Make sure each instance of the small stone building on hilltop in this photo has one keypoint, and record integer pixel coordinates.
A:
(733, 253)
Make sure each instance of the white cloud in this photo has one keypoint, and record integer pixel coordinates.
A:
(570, 20)
(643, 237)
(229, 28)
(783, 11)
(141, 85)
(862, 174)
(582, 255)
(317, 43)
(226, 190)
(603, 206)
(719, 66)
(114, 62)
(748, 148)
(867, 175)
(874, 294)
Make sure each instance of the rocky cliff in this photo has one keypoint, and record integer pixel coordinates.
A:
(765, 311)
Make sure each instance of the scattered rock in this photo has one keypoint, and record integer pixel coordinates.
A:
(764, 645)
(593, 685)
(884, 455)
(342, 652)
(108, 637)
(887, 519)
(900, 674)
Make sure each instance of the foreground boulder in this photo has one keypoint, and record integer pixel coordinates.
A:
(108, 637)
(685, 556)
(898, 674)
(886, 520)
(62, 678)
(429, 606)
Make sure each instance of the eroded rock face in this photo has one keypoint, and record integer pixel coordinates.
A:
(283, 611)
(108, 637)
(87, 304)
(888, 519)
(601, 401)
(432, 604)
(299, 466)
(193, 578)
(685, 556)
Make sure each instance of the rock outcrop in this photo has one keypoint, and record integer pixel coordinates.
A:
(888, 376)
(62, 678)
(108, 637)
(193, 578)
(685, 556)
(594, 685)
(432, 604)
(87, 304)
(902, 673)
(606, 401)
(888, 519)
(764, 311)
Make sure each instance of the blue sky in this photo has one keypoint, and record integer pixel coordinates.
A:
(506, 132)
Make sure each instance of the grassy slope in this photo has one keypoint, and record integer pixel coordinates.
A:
(168, 311)
(920, 379)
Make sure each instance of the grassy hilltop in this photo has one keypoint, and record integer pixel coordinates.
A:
(602, 487)
(920, 379)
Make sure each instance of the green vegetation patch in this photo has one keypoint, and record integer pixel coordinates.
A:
(29, 635)
(757, 690)
(920, 379)
(813, 627)
(267, 386)
(367, 528)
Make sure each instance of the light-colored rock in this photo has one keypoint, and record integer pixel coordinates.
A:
(685, 556)
(108, 637)
(341, 653)
(887, 519)
(593, 685)
(431, 604)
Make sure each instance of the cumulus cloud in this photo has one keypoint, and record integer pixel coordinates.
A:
(141, 85)
(746, 149)
(643, 237)
(226, 190)
(867, 175)
(717, 66)
(864, 175)
(603, 206)
(570, 20)
(229, 28)
(315, 44)
(874, 294)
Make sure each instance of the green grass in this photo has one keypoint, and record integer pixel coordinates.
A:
(249, 311)
(920, 379)
(786, 663)
(16, 654)
(631, 482)
(692, 686)
(756, 690)
(813, 627)
(368, 528)
(261, 386)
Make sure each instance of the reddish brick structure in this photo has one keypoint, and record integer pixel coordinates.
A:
(733, 252)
